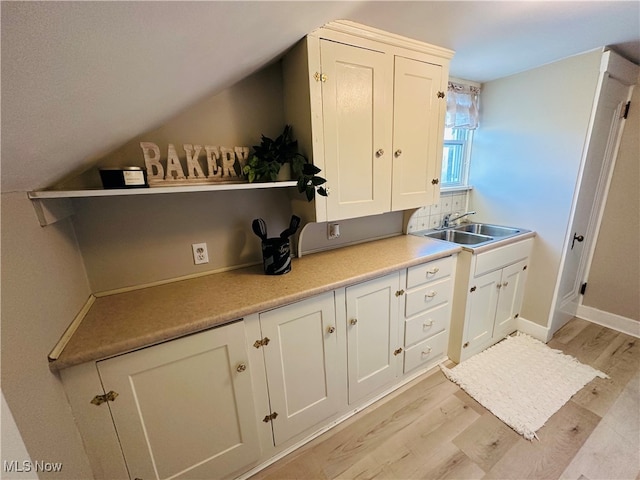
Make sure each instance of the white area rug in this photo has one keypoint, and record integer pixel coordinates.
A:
(522, 381)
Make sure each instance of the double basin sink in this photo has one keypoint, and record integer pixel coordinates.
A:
(472, 234)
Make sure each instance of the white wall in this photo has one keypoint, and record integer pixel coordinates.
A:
(43, 287)
(525, 160)
(13, 448)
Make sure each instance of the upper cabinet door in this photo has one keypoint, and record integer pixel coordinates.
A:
(356, 101)
(418, 124)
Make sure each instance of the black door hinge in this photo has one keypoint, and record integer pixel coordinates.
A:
(626, 110)
(583, 288)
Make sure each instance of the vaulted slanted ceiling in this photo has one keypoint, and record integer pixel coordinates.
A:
(81, 78)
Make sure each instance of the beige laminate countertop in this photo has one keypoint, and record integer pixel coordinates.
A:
(127, 321)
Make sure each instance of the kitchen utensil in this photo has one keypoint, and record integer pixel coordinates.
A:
(293, 227)
(259, 228)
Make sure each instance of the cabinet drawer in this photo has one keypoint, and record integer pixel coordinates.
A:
(428, 272)
(498, 258)
(425, 352)
(429, 296)
(427, 325)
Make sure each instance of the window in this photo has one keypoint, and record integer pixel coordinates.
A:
(461, 120)
(455, 158)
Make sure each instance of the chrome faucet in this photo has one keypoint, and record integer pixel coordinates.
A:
(446, 220)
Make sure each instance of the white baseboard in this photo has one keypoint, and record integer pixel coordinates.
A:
(534, 329)
(610, 320)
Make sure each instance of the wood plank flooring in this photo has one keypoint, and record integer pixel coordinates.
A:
(431, 429)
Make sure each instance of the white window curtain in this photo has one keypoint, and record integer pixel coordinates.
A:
(462, 106)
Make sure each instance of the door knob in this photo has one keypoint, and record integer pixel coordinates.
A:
(576, 238)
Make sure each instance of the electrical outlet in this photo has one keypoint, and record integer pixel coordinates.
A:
(200, 254)
(333, 230)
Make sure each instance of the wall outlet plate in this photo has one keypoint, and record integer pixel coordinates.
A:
(333, 230)
(200, 253)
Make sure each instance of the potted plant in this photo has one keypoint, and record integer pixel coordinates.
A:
(272, 155)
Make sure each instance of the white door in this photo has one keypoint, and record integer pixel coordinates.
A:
(300, 359)
(372, 335)
(510, 297)
(602, 148)
(185, 408)
(481, 311)
(356, 103)
(418, 122)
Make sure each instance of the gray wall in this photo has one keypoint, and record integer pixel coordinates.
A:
(525, 160)
(127, 241)
(43, 287)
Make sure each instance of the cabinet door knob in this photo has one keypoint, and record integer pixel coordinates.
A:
(379, 153)
(241, 368)
(505, 284)
(397, 153)
(353, 321)
(499, 285)
(331, 329)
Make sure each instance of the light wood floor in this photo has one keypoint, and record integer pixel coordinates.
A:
(432, 429)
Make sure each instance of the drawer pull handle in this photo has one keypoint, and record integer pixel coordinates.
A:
(427, 351)
(433, 271)
(430, 295)
(428, 324)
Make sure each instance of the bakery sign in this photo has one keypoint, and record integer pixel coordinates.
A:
(202, 164)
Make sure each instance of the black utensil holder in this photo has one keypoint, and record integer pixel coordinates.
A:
(276, 256)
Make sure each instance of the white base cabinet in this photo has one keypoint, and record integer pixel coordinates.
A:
(303, 364)
(427, 312)
(182, 409)
(488, 295)
(373, 353)
(217, 403)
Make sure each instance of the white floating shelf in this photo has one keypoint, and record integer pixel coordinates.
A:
(99, 192)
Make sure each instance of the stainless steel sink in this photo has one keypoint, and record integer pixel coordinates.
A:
(472, 235)
(487, 229)
(460, 237)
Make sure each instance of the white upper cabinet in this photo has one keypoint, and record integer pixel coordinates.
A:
(357, 134)
(418, 133)
(367, 107)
